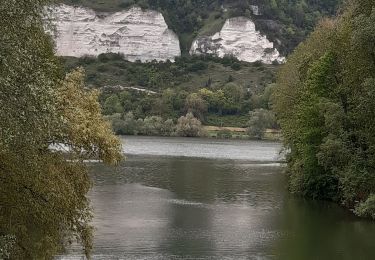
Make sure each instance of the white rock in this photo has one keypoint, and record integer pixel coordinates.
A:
(239, 38)
(139, 35)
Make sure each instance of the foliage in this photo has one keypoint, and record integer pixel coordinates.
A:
(324, 101)
(156, 126)
(367, 208)
(260, 120)
(43, 190)
(189, 126)
(196, 105)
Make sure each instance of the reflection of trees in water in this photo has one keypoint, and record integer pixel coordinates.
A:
(201, 180)
(322, 230)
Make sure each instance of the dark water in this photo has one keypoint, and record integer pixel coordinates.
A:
(204, 199)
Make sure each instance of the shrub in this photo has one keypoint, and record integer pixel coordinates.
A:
(236, 66)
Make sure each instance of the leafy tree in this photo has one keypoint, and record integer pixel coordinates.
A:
(152, 125)
(168, 128)
(234, 92)
(43, 190)
(196, 105)
(260, 120)
(324, 101)
(188, 126)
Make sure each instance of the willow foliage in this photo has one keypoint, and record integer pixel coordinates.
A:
(43, 203)
(325, 103)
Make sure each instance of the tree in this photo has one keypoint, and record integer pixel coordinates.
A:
(234, 92)
(196, 105)
(168, 128)
(214, 100)
(324, 101)
(260, 120)
(43, 190)
(152, 125)
(188, 126)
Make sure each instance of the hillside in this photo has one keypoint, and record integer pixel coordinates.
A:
(284, 22)
(218, 91)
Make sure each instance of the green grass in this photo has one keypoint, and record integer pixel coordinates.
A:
(228, 120)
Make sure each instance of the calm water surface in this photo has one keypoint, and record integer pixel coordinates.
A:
(177, 198)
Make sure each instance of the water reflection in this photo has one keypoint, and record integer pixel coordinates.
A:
(130, 218)
(320, 230)
(157, 207)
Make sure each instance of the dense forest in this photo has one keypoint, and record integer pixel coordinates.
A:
(324, 101)
(285, 22)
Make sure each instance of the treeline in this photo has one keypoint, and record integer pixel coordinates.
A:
(218, 91)
(325, 104)
(258, 122)
(127, 124)
(231, 99)
(211, 107)
(286, 22)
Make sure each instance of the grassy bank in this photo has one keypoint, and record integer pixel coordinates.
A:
(239, 133)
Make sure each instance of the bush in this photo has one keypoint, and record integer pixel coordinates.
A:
(126, 3)
(197, 66)
(236, 66)
(86, 60)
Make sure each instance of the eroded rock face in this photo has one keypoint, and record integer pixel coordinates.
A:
(139, 35)
(239, 38)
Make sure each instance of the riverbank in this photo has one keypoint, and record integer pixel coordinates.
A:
(224, 132)
(240, 133)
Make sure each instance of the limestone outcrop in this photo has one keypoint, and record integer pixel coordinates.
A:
(137, 34)
(239, 38)
(144, 35)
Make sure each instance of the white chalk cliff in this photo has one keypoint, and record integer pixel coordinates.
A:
(139, 35)
(144, 35)
(239, 38)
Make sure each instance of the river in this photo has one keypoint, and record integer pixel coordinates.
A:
(181, 198)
